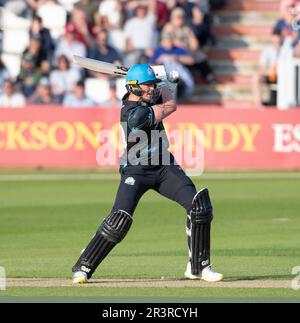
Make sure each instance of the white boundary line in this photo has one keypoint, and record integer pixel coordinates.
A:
(116, 176)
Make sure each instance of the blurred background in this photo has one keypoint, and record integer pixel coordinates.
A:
(239, 68)
(226, 51)
(234, 55)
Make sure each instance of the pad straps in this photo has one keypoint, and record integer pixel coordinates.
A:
(199, 239)
(112, 231)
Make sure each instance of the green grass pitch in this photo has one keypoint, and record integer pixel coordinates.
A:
(44, 224)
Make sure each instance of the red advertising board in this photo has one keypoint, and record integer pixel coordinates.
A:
(239, 139)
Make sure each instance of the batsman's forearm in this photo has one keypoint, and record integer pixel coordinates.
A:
(161, 111)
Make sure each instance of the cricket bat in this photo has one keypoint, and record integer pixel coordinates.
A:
(101, 67)
(111, 69)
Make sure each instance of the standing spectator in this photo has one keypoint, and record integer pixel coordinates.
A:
(90, 8)
(83, 31)
(286, 8)
(284, 26)
(267, 75)
(111, 17)
(63, 78)
(110, 13)
(77, 98)
(11, 98)
(162, 14)
(140, 33)
(201, 23)
(43, 95)
(4, 74)
(37, 29)
(29, 75)
(69, 46)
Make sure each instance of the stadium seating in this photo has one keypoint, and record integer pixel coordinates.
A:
(97, 89)
(54, 18)
(14, 27)
(242, 30)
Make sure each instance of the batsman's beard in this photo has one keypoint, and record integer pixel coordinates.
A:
(147, 95)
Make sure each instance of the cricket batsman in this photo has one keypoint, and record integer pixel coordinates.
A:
(151, 166)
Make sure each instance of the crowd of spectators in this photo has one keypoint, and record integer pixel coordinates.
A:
(167, 32)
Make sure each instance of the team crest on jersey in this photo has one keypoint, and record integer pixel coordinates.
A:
(130, 181)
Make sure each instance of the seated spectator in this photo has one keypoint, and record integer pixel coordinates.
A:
(11, 98)
(175, 58)
(29, 75)
(69, 46)
(188, 7)
(43, 95)
(37, 29)
(77, 98)
(140, 33)
(267, 75)
(180, 32)
(45, 69)
(35, 50)
(63, 78)
(104, 52)
(4, 74)
(183, 37)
